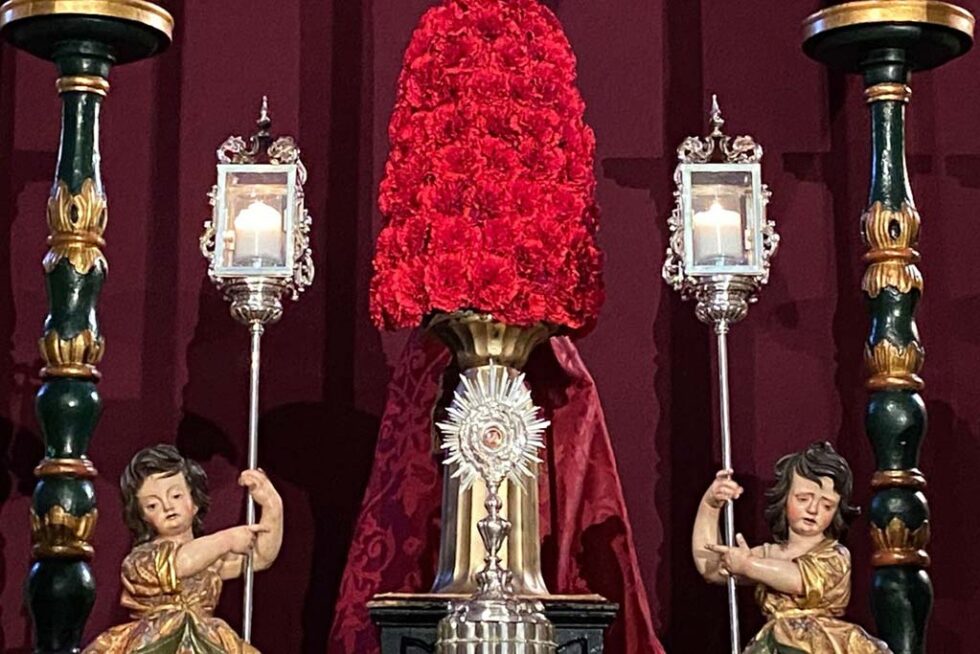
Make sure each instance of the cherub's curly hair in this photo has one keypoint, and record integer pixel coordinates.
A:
(817, 460)
(167, 460)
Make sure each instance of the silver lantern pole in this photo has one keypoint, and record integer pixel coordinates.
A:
(719, 251)
(257, 245)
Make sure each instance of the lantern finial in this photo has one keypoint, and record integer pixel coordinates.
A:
(717, 122)
(265, 121)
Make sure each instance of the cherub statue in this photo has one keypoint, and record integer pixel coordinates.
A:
(172, 577)
(803, 578)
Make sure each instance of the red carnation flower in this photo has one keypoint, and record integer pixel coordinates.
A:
(453, 234)
(495, 282)
(488, 194)
(447, 281)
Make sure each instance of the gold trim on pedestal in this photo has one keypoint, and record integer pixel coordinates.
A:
(896, 544)
(888, 91)
(137, 11)
(71, 357)
(407, 599)
(81, 468)
(895, 383)
(893, 367)
(899, 479)
(76, 222)
(889, 11)
(61, 534)
(891, 236)
(83, 83)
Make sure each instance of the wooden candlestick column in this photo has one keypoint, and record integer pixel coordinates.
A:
(84, 40)
(884, 41)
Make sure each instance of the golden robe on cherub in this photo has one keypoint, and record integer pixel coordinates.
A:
(810, 622)
(172, 578)
(804, 578)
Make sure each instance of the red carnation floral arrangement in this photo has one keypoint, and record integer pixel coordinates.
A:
(489, 191)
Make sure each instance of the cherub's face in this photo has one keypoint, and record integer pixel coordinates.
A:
(167, 505)
(811, 506)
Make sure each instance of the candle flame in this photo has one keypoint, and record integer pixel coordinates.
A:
(717, 215)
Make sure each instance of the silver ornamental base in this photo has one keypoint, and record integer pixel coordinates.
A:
(255, 299)
(496, 626)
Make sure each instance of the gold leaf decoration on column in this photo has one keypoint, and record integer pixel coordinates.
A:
(912, 478)
(82, 468)
(892, 237)
(61, 534)
(71, 357)
(896, 544)
(888, 92)
(893, 367)
(76, 223)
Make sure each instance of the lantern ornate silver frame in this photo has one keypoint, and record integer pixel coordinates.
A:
(255, 294)
(723, 293)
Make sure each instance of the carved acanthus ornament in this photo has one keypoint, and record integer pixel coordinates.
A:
(896, 544)
(76, 222)
(61, 534)
(892, 237)
(893, 367)
(71, 357)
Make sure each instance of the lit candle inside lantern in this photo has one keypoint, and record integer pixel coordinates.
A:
(258, 235)
(718, 236)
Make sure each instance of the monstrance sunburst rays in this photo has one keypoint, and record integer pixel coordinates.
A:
(493, 430)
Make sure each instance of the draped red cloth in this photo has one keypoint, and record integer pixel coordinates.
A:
(587, 541)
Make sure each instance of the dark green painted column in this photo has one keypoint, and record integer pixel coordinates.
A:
(896, 415)
(885, 41)
(60, 587)
(84, 40)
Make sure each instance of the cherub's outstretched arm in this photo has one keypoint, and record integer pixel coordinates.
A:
(753, 565)
(706, 533)
(198, 554)
(269, 540)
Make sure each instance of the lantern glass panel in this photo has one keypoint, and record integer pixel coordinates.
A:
(255, 210)
(722, 219)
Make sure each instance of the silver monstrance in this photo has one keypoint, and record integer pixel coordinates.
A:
(494, 432)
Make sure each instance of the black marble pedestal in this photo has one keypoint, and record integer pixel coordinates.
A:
(408, 622)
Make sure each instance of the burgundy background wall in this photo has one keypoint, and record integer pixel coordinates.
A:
(176, 368)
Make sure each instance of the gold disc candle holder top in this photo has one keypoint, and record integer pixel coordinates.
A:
(132, 29)
(931, 32)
